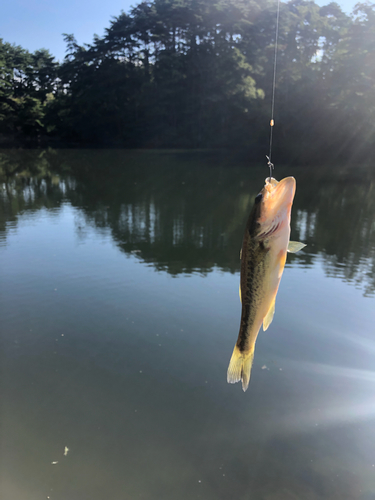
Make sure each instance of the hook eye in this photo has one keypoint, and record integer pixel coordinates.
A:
(270, 165)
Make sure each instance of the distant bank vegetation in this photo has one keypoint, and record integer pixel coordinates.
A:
(198, 74)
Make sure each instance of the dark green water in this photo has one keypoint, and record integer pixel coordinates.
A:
(119, 311)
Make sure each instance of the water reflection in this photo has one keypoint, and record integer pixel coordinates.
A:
(127, 367)
(185, 212)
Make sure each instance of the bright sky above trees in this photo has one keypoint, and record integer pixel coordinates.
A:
(36, 24)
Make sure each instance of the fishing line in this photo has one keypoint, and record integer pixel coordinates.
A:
(272, 121)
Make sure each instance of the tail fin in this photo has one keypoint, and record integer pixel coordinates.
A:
(240, 367)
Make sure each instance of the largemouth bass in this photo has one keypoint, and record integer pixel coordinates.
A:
(263, 256)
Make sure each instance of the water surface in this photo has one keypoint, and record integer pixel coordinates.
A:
(119, 311)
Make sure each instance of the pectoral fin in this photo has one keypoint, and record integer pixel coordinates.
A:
(269, 316)
(241, 254)
(240, 293)
(295, 246)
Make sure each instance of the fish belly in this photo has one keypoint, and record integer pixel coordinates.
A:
(260, 279)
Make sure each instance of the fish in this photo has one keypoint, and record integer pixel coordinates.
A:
(263, 255)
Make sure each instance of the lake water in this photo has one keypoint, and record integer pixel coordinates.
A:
(119, 311)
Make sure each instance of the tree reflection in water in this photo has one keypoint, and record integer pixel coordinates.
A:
(184, 212)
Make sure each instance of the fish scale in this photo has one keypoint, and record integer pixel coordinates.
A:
(251, 293)
(263, 255)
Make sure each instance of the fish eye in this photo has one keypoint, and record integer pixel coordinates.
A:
(258, 198)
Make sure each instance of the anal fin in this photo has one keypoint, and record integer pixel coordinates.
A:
(269, 316)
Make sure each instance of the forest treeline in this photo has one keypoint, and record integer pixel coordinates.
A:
(198, 74)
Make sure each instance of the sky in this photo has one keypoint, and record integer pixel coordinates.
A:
(36, 24)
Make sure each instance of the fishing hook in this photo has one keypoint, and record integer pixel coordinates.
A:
(270, 165)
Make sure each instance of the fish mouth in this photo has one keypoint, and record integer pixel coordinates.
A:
(285, 190)
(280, 194)
(277, 200)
